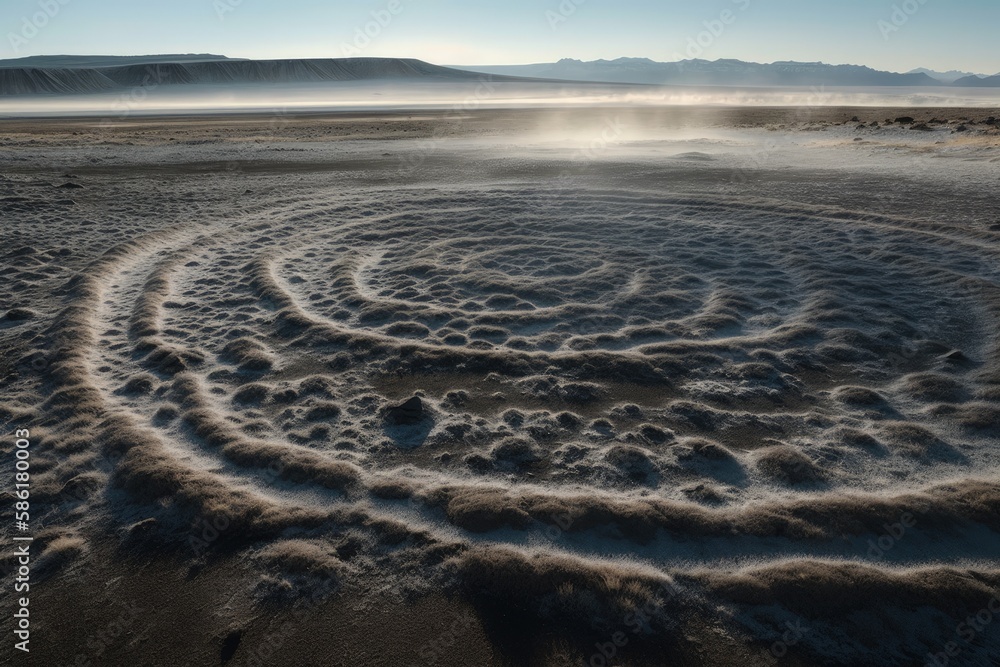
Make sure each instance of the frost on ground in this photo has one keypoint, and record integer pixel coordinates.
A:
(642, 391)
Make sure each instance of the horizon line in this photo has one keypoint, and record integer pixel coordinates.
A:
(520, 64)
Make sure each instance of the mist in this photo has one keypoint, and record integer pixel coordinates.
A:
(466, 96)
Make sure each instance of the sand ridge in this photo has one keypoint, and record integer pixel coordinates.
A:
(619, 389)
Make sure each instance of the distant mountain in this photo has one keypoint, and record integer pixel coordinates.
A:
(713, 73)
(947, 77)
(68, 75)
(76, 80)
(77, 62)
(979, 82)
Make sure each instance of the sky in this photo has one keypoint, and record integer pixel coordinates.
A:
(895, 35)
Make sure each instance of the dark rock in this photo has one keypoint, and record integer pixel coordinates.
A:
(20, 314)
(409, 412)
(251, 394)
(136, 386)
(285, 396)
(654, 434)
(478, 463)
(568, 420)
(632, 410)
(632, 461)
(323, 411)
(68, 185)
(904, 120)
(579, 392)
(961, 128)
(516, 452)
(230, 644)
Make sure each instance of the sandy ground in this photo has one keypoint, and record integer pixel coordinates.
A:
(606, 386)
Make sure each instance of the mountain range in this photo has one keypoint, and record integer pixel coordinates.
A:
(728, 72)
(979, 82)
(947, 77)
(155, 72)
(97, 74)
(77, 62)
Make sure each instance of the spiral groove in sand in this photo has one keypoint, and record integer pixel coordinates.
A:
(647, 351)
(724, 392)
(551, 403)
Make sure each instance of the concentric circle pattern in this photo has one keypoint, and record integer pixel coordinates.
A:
(697, 384)
(726, 378)
(713, 350)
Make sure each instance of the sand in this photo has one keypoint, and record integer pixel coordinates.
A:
(540, 387)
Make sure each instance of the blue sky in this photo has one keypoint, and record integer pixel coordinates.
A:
(940, 34)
